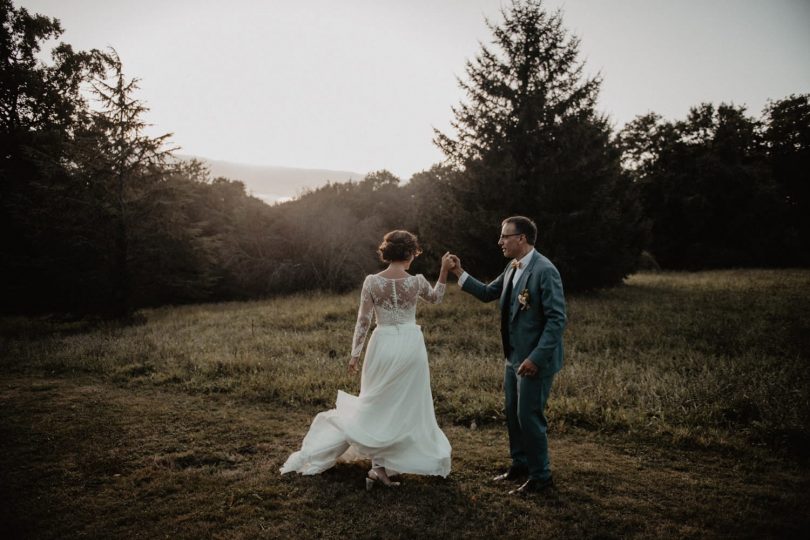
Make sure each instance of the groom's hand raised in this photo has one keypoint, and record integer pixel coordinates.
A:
(456, 268)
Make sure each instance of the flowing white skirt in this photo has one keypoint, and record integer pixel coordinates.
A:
(391, 422)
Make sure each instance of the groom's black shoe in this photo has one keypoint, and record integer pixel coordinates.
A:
(515, 472)
(534, 485)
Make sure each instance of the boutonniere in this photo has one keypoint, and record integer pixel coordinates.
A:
(523, 298)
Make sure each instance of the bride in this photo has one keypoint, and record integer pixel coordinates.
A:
(392, 421)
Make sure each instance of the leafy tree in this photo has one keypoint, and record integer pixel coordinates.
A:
(333, 232)
(528, 140)
(250, 249)
(44, 242)
(787, 135)
(35, 96)
(706, 188)
(434, 205)
(173, 255)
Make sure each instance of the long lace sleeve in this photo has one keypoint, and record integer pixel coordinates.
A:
(364, 315)
(433, 295)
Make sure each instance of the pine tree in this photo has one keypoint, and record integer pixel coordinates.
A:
(121, 157)
(529, 141)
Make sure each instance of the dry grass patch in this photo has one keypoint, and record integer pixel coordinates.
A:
(82, 458)
(682, 411)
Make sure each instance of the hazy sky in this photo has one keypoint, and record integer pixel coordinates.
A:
(359, 84)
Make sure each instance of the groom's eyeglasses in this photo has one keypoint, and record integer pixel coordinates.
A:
(508, 235)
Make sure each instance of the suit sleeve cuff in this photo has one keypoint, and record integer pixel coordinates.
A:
(462, 278)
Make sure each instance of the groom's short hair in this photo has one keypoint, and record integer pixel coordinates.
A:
(523, 225)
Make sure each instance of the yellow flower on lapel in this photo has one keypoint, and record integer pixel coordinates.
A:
(523, 298)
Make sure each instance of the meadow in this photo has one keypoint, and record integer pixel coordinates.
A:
(683, 411)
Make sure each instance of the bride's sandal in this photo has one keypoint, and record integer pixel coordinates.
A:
(373, 478)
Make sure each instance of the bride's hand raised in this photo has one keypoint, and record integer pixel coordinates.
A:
(447, 262)
(452, 264)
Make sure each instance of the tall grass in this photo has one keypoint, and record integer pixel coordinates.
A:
(705, 358)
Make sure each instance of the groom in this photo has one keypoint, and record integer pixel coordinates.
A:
(532, 321)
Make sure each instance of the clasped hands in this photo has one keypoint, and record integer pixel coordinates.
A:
(451, 263)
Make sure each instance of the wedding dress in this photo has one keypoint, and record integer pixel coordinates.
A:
(392, 421)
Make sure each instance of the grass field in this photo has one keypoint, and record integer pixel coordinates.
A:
(683, 411)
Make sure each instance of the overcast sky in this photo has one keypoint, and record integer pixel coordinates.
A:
(359, 85)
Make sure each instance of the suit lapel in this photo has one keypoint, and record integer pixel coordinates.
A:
(507, 277)
(521, 283)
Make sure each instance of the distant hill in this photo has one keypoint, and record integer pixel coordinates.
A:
(274, 184)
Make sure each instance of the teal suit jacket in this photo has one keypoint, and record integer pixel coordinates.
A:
(535, 330)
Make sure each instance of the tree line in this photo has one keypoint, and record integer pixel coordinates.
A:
(722, 188)
(98, 217)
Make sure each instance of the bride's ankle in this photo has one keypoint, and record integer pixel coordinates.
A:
(382, 475)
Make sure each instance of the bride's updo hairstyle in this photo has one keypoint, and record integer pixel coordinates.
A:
(398, 246)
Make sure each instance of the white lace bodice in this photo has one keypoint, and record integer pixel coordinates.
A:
(393, 301)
